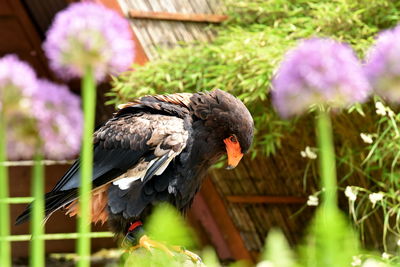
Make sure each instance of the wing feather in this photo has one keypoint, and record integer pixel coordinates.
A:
(145, 131)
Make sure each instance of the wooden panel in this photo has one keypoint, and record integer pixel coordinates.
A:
(155, 34)
(12, 35)
(225, 224)
(58, 222)
(5, 9)
(267, 199)
(210, 18)
(43, 11)
(208, 226)
(22, 38)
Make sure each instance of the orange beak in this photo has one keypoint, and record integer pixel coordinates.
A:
(234, 152)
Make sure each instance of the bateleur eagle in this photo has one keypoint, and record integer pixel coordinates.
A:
(155, 149)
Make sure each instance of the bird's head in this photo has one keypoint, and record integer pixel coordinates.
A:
(232, 122)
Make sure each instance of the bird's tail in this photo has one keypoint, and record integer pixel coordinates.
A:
(53, 202)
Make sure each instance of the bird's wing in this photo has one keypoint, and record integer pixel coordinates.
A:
(142, 143)
(129, 147)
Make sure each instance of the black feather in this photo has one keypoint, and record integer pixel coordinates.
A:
(107, 165)
(154, 168)
(53, 202)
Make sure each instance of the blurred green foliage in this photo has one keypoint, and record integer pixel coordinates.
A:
(317, 251)
(277, 250)
(331, 241)
(165, 225)
(248, 49)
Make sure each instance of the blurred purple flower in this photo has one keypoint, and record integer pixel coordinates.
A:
(59, 120)
(383, 65)
(17, 80)
(318, 71)
(39, 114)
(18, 83)
(88, 34)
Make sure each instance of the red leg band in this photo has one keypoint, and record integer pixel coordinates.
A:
(134, 226)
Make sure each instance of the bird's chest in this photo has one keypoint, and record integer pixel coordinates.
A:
(191, 167)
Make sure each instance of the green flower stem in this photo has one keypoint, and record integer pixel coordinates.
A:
(59, 236)
(89, 103)
(17, 200)
(37, 227)
(5, 249)
(327, 159)
(334, 242)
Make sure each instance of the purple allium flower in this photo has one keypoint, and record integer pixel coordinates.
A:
(18, 83)
(17, 80)
(53, 125)
(318, 71)
(39, 114)
(59, 120)
(383, 65)
(89, 34)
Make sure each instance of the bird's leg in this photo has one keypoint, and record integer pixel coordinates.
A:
(139, 239)
(135, 231)
(147, 243)
(193, 256)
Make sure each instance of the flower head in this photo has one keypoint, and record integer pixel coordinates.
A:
(380, 108)
(383, 65)
(53, 126)
(39, 114)
(318, 71)
(18, 83)
(367, 138)
(17, 79)
(312, 200)
(59, 120)
(351, 193)
(375, 197)
(308, 153)
(88, 34)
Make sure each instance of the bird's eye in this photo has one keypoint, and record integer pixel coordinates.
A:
(233, 139)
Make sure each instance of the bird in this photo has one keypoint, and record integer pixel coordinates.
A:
(156, 148)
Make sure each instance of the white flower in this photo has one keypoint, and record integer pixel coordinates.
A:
(367, 138)
(386, 256)
(375, 197)
(312, 201)
(389, 112)
(308, 153)
(351, 193)
(356, 261)
(380, 108)
(398, 242)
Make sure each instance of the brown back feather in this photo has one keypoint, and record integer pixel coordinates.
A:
(181, 99)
